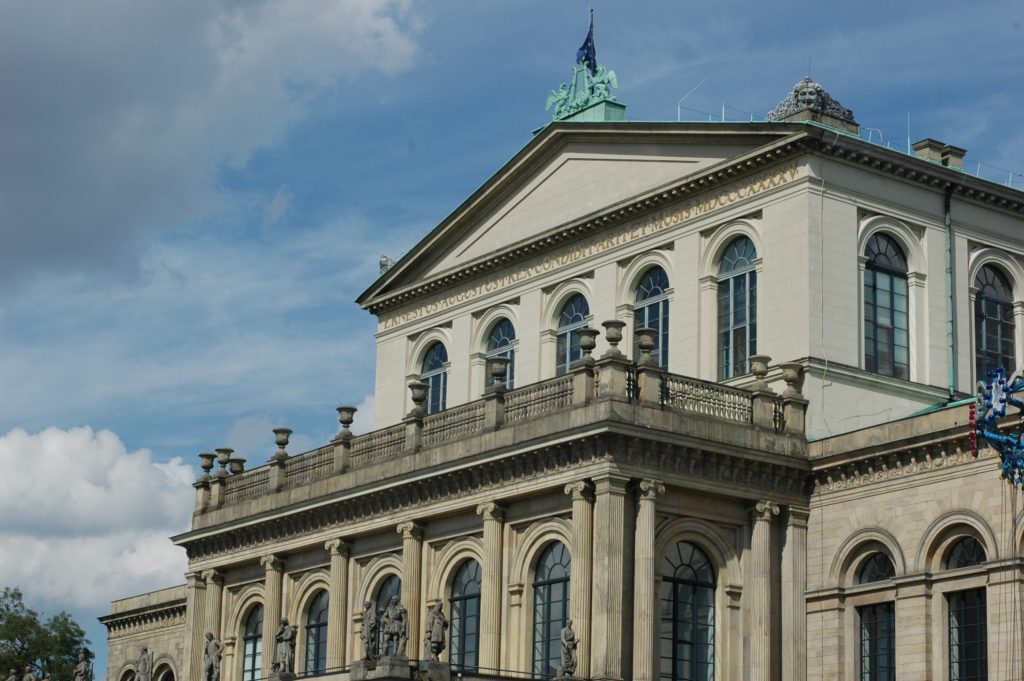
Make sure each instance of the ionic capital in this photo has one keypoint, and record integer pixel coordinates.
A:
(194, 580)
(213, 577)
(651, 489)
(491, 510)
(580, 490)
(338, 547)
(272, 563)
(410, 530)
(611, 484)
(797, 516)
(764, 510)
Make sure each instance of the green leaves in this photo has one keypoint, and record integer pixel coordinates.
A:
(27, 641)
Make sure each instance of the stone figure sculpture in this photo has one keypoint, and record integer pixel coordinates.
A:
(144, 665)
(284, 648)
(83, 670)
(396, 627)
(568, 666)
(13, 676)
(29, 675)
(369, 634)
(434, 641)
(213, 650)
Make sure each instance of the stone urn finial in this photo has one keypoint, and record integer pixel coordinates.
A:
(645, 340)
(791, 373)
(588, 341)
(223, 457)
(613, 334)
(345, 417)
(281, 436)
(419, 396)
(759, 367)
(498, 366)
(206, 463)
(236, 465)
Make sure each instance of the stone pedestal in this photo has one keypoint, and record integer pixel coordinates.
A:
(281, 676)
(432, 670)
(387, 667)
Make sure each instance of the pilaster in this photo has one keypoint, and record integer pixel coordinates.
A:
(608, 576)
(337, 599)
(582, 552)
(195, 614)
(412, 560)
(214, 595)
(761, 595)
(794, 603)
(273, 575)
(490, 596)
(645, 612)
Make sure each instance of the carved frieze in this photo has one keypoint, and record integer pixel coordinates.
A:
(142, 622)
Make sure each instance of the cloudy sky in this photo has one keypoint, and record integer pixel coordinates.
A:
(192, 193)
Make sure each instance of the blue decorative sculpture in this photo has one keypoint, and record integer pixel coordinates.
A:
(992, 400)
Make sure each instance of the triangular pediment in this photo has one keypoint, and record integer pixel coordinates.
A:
(567, 172)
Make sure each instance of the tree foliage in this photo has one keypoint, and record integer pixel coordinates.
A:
(48, 647)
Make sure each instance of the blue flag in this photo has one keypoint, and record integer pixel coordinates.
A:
(587, 52)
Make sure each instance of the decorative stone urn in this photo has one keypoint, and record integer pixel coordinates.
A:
(419, 396)
(613, 334)
(345, 417)
(236, 465)
(206, 463)
(498, 366)
(588, 341)
(791, 372)
(645, 340)
(223, 457)
(281, 436)
(759, 367)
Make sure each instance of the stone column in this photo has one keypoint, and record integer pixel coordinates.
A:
(794, 603)
(645, 612)
(608, 577)
(761, 595)
(412, 561)
(337, 602)
(490, 596)
(214, 594)
(195, 616)
(273, 575)
(582, 552)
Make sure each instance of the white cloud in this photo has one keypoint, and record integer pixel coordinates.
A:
(363, 421)
(84, 521)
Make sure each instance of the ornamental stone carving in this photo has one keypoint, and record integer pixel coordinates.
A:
(809, 96)
(213, 650)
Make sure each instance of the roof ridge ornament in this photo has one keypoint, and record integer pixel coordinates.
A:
(808, 95)
(591, 83)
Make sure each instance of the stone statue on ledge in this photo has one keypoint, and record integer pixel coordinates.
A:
(434, 641)
(370, 632)
(284, 649)
(29, 674)
(396, 627)
(568, 666)
(13, 676)
(83, 670)
(144, 665)
(213, 650)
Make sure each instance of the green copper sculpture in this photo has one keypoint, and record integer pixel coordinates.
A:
(583, 91)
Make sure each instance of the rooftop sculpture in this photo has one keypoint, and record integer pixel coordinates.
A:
(809, 96)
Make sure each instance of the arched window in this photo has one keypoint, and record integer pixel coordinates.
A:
(687, 614)
(886, 334)
(316, 635)
(550, 608)
(968, 639)
(993, 323)
(737, 308)
(465, 617)
(252, 645)
(877, 624)
(435, 375)
(651, 310)
(391, 587)
(500, 344)
(571, 319)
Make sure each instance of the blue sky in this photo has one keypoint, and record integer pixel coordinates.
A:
(192, 194)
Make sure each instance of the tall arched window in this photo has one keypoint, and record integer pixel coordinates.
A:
(877, 624)
(435, 375)
(252, 645)
(687, 614)
(391, 587)
(737, 308)
(993, 323)
(316, 635)
(465, 617)
(651, 310)
(968, 640)
(550, 608)
(500, 344)
(571, 319)
(886, 328)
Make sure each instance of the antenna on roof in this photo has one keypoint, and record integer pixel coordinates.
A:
(908, 133)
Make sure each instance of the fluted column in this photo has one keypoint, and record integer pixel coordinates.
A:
(337, 602)
(195, 616)
(760, 582)
(412, 554)
(582, 565)
(272, 577)
(644, 607)
(214, 595)
(490, 596)
(608, 577)
(794, 604)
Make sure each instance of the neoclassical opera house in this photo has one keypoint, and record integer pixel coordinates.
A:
(698, 387)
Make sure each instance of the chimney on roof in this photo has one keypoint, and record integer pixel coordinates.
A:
(938, 152)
